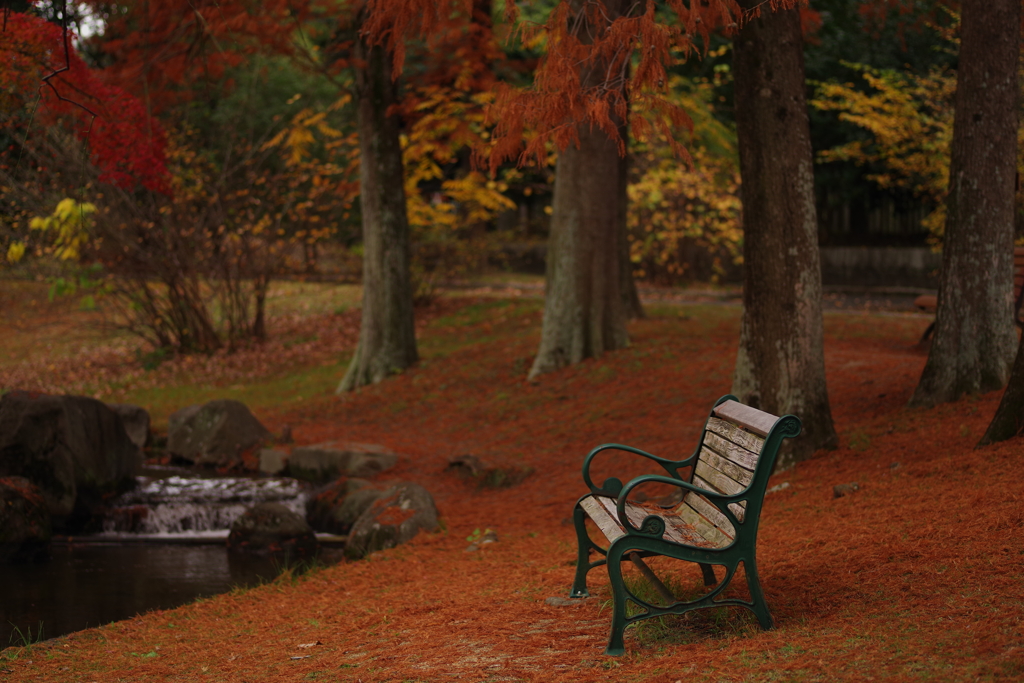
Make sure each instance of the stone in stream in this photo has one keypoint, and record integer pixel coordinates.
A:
(400, 513)
(272, 529)
(73, 448)
(337, 507)
(25, 528)
(273, 461)
(326, 462)
(222, 434)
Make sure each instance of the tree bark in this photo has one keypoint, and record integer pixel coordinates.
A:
(584, 311)
(972, 347)
(780, 367)
(387, 337)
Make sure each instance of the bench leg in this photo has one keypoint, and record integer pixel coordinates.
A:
(616, 643)
(760, 607)
(709, 574)
(583, 563)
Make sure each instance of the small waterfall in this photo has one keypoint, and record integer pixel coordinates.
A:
(175, 502)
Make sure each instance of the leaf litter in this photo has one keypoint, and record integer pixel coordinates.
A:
(918, 575)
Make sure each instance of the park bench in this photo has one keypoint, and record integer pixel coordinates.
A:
(715, 523)
(929, 302)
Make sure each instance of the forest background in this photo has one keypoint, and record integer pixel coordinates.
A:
(167, 163)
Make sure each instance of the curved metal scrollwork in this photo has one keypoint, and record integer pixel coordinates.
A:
(653, 525)
(611, 487)
(789, 426)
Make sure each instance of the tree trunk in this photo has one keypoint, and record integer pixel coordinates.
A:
(780, 367)
(387, 337)
(972, 347)
(584, 312)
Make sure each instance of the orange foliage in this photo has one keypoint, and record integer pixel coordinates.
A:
(163, 51)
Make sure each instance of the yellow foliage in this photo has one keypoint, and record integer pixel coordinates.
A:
(910, 118)
(15, 252)
(684, 219)
(446, 225)
(298, 138)
(68, 224)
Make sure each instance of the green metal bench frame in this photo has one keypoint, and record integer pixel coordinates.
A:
(649, 538)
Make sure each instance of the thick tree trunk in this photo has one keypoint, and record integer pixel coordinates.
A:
(972, 347)
(584, 311)
(780, 367)
(387, 337)
(584, 314)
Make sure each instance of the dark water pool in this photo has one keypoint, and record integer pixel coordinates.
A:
(82, 586)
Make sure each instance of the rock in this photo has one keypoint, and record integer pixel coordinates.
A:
(336, 508)
(394, 518)
(221, 433)
(328, 461)
(73, 448)
(135, 420)
(840, 490)
(273, 461)
(478, 541)
(270, 529)
(486, 475)
(556, 601)
(778, 487)
(25, 527)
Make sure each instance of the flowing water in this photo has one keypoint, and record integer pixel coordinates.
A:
(162, 546)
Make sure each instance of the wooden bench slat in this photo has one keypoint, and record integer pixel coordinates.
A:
(692, 530)
(738, 509)
(720, 480)
(753, 419)
(637, 513)
(744, 439)
(741, 476)
(718, 537)
(607, 523)
(706, 509)
(736, 455)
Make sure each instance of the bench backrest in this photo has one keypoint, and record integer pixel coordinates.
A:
(731, 451)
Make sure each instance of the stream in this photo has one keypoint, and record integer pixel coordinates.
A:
(162, 546)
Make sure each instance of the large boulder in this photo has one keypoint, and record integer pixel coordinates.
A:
(135, 420)
(326, 462)
(272, 529)
(25, 528)
(73, 448)
(337, 507)
(394, 518)
(221, 433)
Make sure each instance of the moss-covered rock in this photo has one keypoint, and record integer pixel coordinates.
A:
(394, 518)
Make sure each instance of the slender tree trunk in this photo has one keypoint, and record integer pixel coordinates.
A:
(387, 337)
(584, 314)
(780, 367)
(972, 347)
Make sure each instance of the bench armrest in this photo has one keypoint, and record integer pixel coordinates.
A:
(719, 500)
(612, 486)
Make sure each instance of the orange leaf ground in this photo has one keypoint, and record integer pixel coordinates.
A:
(918, 576)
